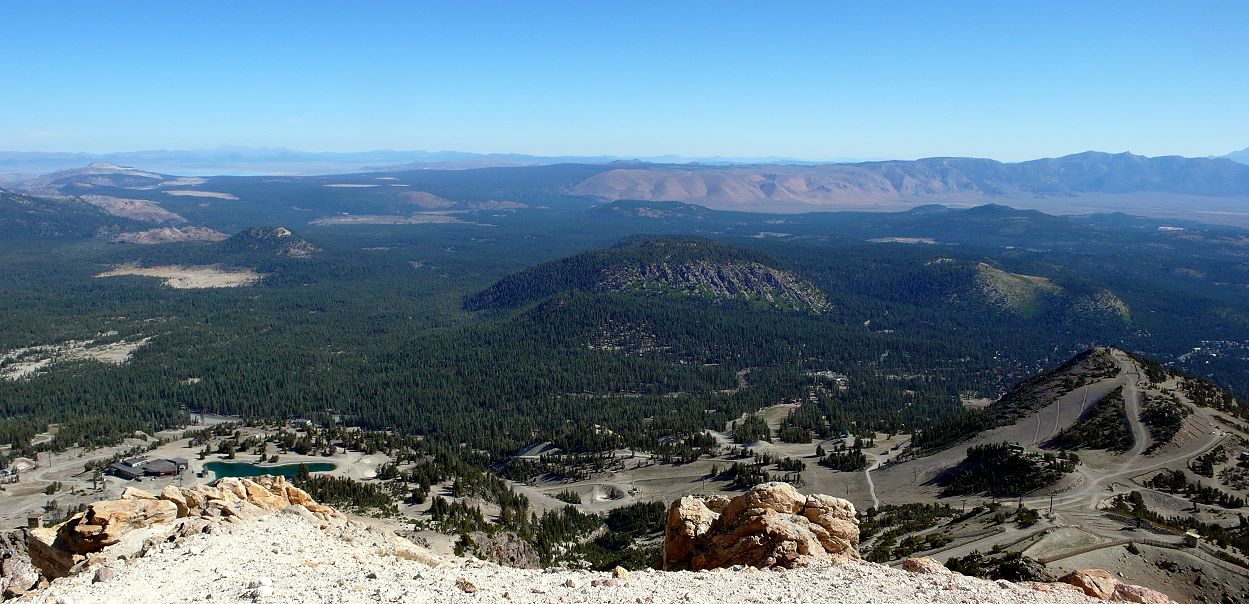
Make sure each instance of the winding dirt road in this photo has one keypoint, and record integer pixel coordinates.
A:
(1096, 481)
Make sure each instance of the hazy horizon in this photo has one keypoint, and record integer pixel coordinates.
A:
(811, 82)
(604, 155)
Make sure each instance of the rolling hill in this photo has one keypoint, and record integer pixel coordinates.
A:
(100, 174)
(25, 217)
(276, 241)
(1030, 295)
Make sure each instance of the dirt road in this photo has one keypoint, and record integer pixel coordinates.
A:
(1097, 481)
(871, 486)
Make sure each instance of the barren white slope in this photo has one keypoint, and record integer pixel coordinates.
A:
(288, 559)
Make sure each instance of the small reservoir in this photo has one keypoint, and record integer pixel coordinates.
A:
(223, 469)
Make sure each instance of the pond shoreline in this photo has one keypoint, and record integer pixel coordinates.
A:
(243, 469)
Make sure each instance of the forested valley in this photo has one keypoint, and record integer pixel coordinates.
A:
(384, 328)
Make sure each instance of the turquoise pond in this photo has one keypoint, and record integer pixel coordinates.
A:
(222, 469)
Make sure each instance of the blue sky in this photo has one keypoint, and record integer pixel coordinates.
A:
(819, 80)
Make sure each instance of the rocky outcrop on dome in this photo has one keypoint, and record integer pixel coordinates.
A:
(276, 241)
(662, 267)
(771, 525)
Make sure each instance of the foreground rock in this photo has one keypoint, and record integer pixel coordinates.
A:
(17, 574)
(284, 558)
(1097, 583)
(60, 550)
(771, 525)
(1092, 582)
(924, 565)
(224, 544)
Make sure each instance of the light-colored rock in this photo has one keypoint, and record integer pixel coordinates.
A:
(1094, 582)
(924, 565)
(620, 573)
(771, 525)
(133, 493)
(301, 511)
(19, 574)
(195, 499)
(312, 566)
(58, 551)
(175, 496)
(1140, 595)
(410, 551)
(688, 519)
(232, 489)
(838, 521)
(261, 497)
(1049, 587)
(106, 522)
(51, 560)
(191, 526)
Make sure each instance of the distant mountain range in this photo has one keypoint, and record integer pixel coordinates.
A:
(1097, 180)
(1212, 190)
(1241, 156)
(234, 160)
(276, 160)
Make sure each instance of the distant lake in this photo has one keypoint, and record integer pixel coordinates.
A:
(223, 469)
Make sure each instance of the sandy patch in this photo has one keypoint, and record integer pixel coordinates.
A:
(426, 200)
(190, 277)
(171, 235)
(212, 194)
(392, 219)
(24, 362)
(497, 204)
(137, 209)
(911, 240)
(184, 181)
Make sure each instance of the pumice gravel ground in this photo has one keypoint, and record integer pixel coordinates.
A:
(287, 558)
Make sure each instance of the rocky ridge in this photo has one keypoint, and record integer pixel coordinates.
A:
(263, 540)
